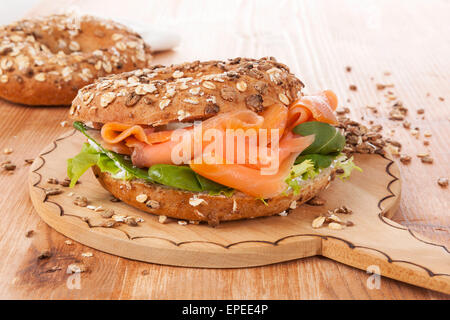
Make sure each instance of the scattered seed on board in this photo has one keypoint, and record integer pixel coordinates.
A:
(318, 222)
(29, 233)
(335, 226)
(316, 201)
(293, 205)
(427, 159)
(44, 255)
(108, 213)
(53, 191)
(76, 268)
(443, 182)
(80, 201)
(52, 181)
(162, 219)
(9, 166)
(131, 221)
(405, 159)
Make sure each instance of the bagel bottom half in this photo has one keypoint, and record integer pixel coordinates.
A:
(174, 203)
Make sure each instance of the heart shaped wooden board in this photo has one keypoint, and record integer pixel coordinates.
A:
(374, 242)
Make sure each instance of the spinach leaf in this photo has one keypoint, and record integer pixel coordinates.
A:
(327, 138)
(183, 177)
(319, 160)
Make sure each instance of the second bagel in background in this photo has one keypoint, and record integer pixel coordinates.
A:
(45, 61)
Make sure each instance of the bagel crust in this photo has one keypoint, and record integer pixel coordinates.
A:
(179, 204)
(44, 61)
(191, 91)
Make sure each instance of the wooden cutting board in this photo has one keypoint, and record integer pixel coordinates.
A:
(374, 243)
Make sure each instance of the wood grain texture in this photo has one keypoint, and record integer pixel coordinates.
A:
(317, 39)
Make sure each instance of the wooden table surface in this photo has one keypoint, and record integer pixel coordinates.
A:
(389, 42)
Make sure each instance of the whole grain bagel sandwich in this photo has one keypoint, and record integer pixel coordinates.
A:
(209, 141)
(44, 61)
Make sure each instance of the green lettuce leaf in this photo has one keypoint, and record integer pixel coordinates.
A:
(78, 165)
(305, 169)
(347, 165)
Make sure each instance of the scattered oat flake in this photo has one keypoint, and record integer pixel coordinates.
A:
(335, 226)
(7, 150)
(118, 218)
(76, 268)
(87, 254)
(68, 242)
(422, 155)
(283, 213)
(318, 222)
(162, 219)
(182, 222)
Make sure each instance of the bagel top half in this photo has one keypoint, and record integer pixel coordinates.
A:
(44, 61)
(185, 92)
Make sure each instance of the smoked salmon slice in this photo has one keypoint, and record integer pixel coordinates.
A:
(148, 147)
(318, 107)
